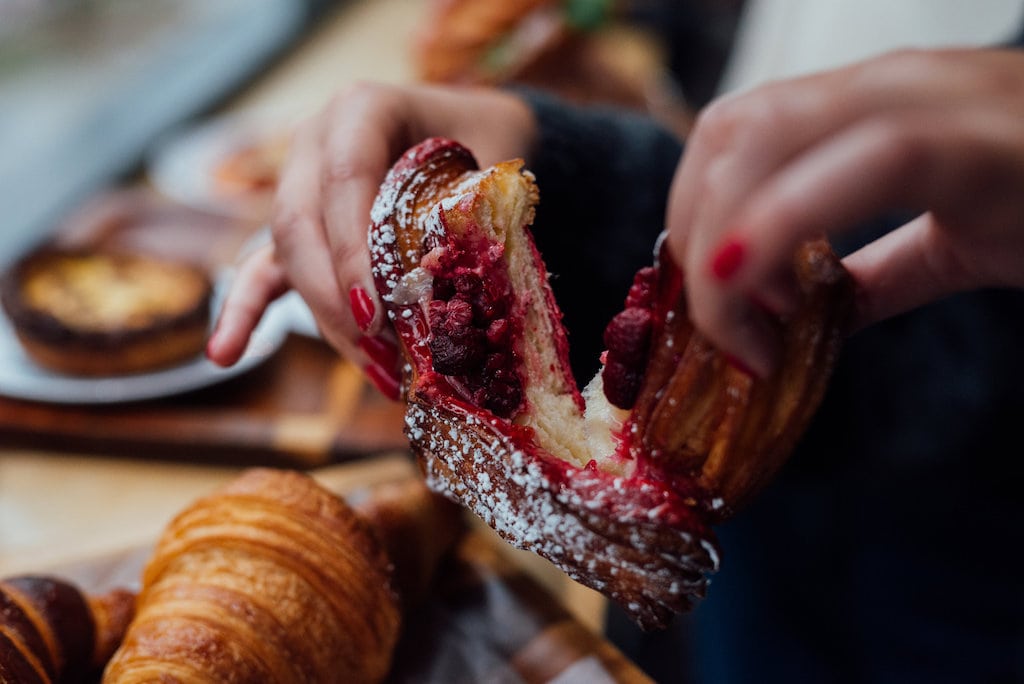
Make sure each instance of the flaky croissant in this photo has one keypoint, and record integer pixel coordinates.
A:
(50, 631)
(622, 499)
(275, 579)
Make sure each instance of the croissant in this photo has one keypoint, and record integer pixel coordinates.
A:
(618, 485)
(275, 579)
(50, 631)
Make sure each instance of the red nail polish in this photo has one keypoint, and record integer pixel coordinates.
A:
(213, 342)
(362, 307)
(728, 259)
(737, 364)
(389, 385)
(211, 347)
(380, 350)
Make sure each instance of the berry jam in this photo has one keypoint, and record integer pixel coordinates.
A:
(472, 331)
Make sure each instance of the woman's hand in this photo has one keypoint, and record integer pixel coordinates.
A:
(322, 211)
(939, 132)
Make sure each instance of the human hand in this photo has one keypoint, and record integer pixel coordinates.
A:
(939, 132)
(322, 211)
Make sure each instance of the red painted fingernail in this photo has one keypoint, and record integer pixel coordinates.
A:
(389, 385)
(728, 259)
(211, 349)
(362, 307)
(738, 365)
(383, 352)
(212, 345)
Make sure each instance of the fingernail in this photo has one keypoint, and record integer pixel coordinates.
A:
(739, 365)
(728, 259)
(211, 346)
(382, 351)
(388, 384)
(362, 307)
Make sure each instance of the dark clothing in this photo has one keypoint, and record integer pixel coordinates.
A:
(891, 547)
(603, 176)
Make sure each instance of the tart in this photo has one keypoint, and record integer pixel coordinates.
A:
(95, 313)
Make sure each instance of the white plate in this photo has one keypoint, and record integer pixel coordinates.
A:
(21, 378)
(183, 165)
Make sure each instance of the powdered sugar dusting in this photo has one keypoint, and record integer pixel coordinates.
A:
(619, 533)
(601, 530)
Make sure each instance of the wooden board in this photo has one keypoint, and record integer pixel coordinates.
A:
(305, 407)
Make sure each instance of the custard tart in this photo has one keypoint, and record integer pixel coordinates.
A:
(96, 313)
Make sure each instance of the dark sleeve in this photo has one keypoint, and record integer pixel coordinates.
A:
(604, 176)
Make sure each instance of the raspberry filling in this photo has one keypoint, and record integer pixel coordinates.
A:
(627, 339)
(472, 329)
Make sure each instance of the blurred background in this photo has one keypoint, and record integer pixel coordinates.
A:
(88, 87)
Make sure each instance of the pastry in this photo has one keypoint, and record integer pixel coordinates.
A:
(50, 631)
(252, 167)
(581, 51)
(98, 313)
(275, 579)
(622, 498)
(469, 41)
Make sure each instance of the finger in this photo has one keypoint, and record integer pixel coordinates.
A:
(494, 124)
(301, 244)
(259, 281)
(873, 166)
(908, 161)
(365, 136)
(741, 139)
(904, 269)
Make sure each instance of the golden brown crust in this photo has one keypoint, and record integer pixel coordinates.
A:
(273, 578)
(50, 631)
(705, 420)
(97, 313)
(417, 528)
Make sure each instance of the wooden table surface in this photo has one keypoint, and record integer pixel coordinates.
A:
(59, 507)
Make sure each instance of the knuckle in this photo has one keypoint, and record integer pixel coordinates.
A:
(342, 169)
(366, 100)
(733, 121)
(358, 92)
(347, 253)
(902, 150)
(902, 66)
(907, 59)
(288, 226)
(717, 123)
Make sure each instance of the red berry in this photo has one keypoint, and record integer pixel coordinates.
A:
(621, 384)
(641, 293)
(628, 336)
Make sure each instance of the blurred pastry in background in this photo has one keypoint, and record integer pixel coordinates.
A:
(98, 313)
(226, 165)
(253, 166)
(587, 51)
